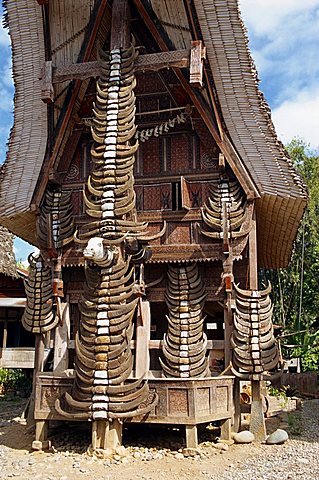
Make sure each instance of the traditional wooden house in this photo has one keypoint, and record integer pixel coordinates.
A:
(151, 178)
(16, 344)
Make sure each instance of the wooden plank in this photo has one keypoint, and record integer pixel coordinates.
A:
(198, 53)
(253, 267)
(39, 354)
(143, 333)
(186, 201)
(5, 334)
(47, 91)
(62, 335)
(120, 30)
(148, 62)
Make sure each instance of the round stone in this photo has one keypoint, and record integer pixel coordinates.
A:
(244, 437)
(179, 455)
(121, 450)
(277, 437)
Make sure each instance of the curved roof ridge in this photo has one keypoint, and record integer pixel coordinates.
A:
(28, 136)
(244, 108)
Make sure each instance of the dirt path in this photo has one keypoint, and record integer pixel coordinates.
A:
(141, 460)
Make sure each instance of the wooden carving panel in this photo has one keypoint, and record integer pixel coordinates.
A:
(179, 233)
(179, 154)
(202, 400)
(221, 400)
(151, 157)
(152, 197)
(177, 401)
(77, 202)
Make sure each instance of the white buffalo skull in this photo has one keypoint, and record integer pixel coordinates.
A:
(99, 253)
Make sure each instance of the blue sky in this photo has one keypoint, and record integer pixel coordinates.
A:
(284, 41)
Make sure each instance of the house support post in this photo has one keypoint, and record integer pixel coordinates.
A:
(107, 434)
(41, 426)
(143, 330)
(257, 420)
(61, 339)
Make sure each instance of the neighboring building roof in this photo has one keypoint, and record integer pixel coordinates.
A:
(244, 111)
(7, 258)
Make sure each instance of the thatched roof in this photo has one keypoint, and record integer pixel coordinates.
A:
(7, 258)
(245, 115)
(28, 136)
(283, 195)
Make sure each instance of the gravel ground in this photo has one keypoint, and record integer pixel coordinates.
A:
(140, 460)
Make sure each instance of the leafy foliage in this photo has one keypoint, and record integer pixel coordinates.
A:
(296, 288)
(14, 379)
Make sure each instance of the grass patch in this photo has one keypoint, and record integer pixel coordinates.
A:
(295, 423)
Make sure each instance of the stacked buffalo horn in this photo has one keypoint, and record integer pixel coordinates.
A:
(255, 349)
(56, 209)
(103, 356)
(225, 211)
(110, 201)
(38, 316)
(184, 344)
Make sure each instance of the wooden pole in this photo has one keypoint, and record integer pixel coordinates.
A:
(38, 367)
(143, 331)
(5, 334)
(61, 339)
(106, 434)
(257, 420)
(121, 27)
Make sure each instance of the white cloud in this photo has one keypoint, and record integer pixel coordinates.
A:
(6, 101)
(299, 117)
(284, 38)
(4, 36)
(267, 17)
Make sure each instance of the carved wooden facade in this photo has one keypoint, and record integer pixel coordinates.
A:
(153, 210)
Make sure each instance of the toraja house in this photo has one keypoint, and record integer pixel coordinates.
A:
(16, 344)
(144, 164)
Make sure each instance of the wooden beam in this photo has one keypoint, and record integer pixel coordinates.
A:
(121, 24)
(5, 334)
(149, 62)
(62, 335)
(143, 331)
(253, 267)
(47, 91)
(257, 420)
(198, 53)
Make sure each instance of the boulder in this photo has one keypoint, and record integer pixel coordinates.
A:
(277, 437)
(244, 437)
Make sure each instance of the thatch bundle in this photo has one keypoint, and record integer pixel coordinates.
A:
(7, 258)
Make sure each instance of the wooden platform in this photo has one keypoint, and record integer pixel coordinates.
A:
(186, 402)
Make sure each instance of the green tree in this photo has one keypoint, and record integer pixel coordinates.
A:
(296, 288)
